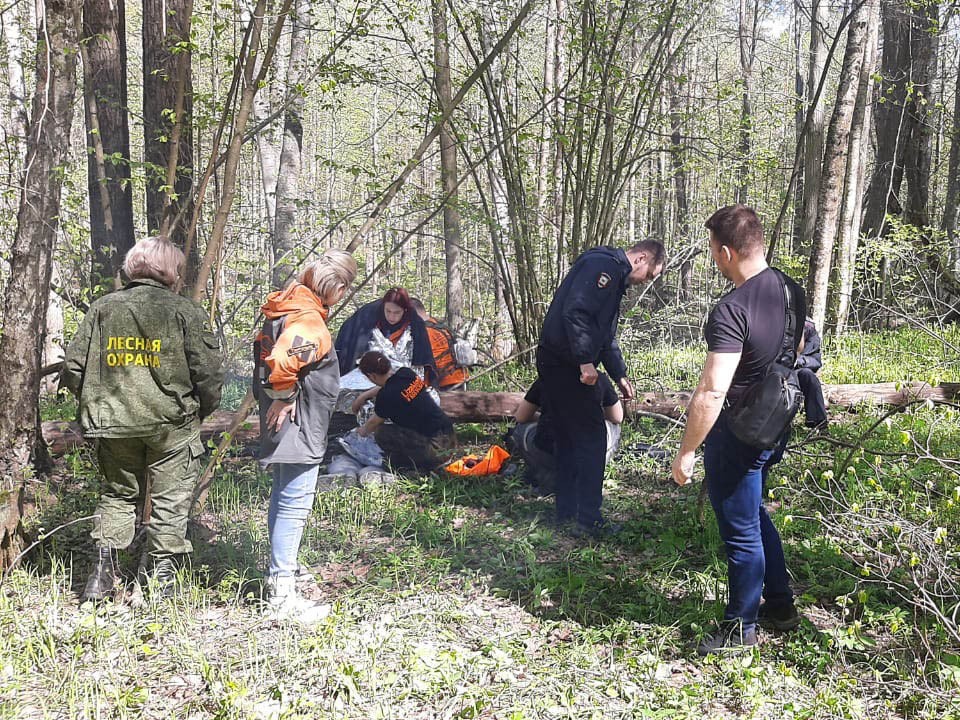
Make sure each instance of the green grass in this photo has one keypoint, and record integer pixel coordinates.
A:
(456, 598)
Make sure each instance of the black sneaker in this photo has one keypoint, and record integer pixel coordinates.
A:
(729, 638)
(778, 617)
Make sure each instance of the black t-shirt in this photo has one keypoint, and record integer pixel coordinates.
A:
(750, 320)
(404, 400)
(534, 396)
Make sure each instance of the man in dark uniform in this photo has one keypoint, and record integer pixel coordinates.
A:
(745, 335)
(809, 361)
(579, 333)
(145, 369)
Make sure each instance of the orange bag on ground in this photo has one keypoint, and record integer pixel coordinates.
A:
(489, 464)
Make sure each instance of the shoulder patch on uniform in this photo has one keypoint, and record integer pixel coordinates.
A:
(603, 280)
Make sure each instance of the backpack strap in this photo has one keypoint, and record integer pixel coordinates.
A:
(788, 348)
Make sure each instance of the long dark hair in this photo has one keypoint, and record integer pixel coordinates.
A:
(397, 296)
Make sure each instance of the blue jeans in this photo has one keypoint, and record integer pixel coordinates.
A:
(735, 476)
(291, 500)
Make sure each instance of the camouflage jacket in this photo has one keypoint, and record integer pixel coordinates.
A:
(143, 359)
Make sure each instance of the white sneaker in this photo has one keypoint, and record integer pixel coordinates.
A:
(285, 603)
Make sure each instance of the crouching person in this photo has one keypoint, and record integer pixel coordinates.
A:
(533, 438)
(296, 382)
(420, 436)
(146, 370)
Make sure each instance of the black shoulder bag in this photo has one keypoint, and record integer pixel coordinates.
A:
(766, 408)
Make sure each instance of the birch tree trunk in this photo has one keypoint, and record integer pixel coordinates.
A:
(747, 41)
(13, 35)
(850, 217)
(951, 208)
(448, 167)
(22, 450)
(104, 53)
(813, 146)
(291, 153)
(834, 165)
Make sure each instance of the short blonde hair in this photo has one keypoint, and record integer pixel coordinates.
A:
(333, 270)
(154, 258)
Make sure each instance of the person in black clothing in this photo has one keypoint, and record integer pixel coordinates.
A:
(808, 362)
(579, 333)
(420, 434)
(532, 437)
(745, 334)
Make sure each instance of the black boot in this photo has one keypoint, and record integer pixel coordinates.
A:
(159, 576)
(102, 579)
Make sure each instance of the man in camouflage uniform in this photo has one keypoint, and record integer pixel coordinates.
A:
(145, 370)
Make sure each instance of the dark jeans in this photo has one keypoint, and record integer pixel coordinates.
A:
(406, 449)
(580, 435)
(814, 406)
(735, 475)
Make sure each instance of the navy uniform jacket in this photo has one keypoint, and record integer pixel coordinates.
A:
(581, 324)
(810, 358)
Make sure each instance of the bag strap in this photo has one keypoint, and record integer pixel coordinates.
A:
(788, 348)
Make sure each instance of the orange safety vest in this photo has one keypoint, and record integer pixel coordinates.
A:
(441, 343)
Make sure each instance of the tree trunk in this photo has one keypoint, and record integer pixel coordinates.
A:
(251, 85)
(13, 35)
(166, 65)
(291, 154)
(849, 231)
(798, 119)
(448, 167)
(951, 207)
(834, 165)
(909, 42)
(104, 53)
(477, 406)
(747, 40)
(679, 163)
(22, 450)
(813, 147)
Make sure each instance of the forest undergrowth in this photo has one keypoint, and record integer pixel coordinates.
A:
(456, 598)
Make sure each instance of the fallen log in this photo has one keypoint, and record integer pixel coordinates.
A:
(478, 406)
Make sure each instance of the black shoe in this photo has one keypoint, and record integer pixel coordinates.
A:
(160, 578)
(599, 530)
(729, 638)
(778, 617)
(103, 577)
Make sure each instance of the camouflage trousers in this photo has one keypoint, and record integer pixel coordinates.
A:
(171, 460)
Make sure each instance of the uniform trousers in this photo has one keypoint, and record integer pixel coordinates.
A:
(580, 434)
(171, 461)
(735, 476)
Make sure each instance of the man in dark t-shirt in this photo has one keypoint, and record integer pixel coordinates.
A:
(745, 335)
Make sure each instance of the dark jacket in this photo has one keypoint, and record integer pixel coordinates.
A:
(581, 324)
(810, 358)
(143, 360)
(294, 361)
(353, 340)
